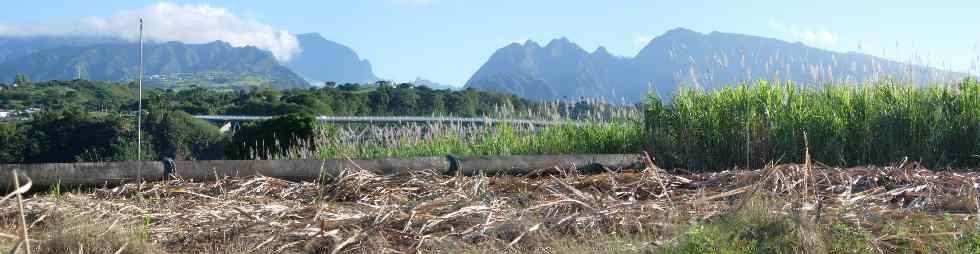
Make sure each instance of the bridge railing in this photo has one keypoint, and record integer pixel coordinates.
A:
(391, 119)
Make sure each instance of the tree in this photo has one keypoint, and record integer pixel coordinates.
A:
(179, 135)
(309, 100)
(273, 137)
(380, 99)
(21, 79)
(406, 86)
(348, 87)
(75, 135)
(383, 83)
(404, 101)
(13, 143)
(432, 102)
(462, 103)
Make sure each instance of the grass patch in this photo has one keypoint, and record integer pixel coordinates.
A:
(79, 234)
(759, 227)
(756, 227)
(552, 242)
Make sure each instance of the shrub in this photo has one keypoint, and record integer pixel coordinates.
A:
(179, 135)
(272, 137)
(75, 135)
(13, 143)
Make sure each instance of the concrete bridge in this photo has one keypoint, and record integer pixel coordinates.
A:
(390, 120)
(232, 123)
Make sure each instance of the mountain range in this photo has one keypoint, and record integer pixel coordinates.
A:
(560, 69)
(174, 63)
(680, 57)
(16, 47)
(325, 60)
(121, 62)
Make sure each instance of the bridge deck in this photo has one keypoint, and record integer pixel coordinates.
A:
(391, 119)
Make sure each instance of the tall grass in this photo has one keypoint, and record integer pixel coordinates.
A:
(753, 124)
(427, 140)
(466, 140)
(584, 127)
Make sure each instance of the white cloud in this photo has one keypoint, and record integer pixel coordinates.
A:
(642, 40)
(416, 3)
(810, 35)
(174, 22)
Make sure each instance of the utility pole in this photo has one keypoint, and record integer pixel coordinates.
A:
(139, 112)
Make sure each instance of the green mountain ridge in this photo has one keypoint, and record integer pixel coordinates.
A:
(120, 61)
(17, 47)
(679, 58)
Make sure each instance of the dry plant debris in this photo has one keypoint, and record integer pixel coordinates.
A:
(423, 211)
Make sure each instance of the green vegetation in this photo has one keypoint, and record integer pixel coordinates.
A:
(71, 135)
(757, 227)
(74, 135)
(407, 141)
(257, 140)
(751, 125)
(13, 143)
(87, 234)
(754, 228)
(60, 95)
(748, 125)
(381, 99)
(21, 79)
(93, 121)
(215, 80)
(179, 135)
(214, 64)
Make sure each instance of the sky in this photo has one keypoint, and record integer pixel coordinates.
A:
(448, 40)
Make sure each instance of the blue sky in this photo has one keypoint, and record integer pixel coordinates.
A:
(447, 40)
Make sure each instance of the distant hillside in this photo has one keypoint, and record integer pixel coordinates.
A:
(324, 60)
(216, 63)
(558, 70)
(320, 60)
(680, 57)
(16, 47)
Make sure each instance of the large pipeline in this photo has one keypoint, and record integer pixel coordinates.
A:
(97, 174)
